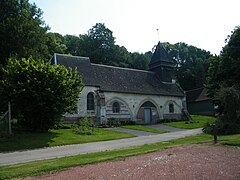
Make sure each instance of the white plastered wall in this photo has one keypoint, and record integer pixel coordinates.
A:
(129, 104)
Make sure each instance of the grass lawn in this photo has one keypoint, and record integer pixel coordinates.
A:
(41, 167)
(28, 140)
(197, 122)
(143, 128)
(232, 140)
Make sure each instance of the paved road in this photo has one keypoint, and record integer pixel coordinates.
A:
(131, 131)
(165, 127)
(71, 150)
(144, 133)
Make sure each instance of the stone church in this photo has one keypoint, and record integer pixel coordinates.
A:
(146, 97)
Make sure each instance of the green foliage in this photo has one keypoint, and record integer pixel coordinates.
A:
(224, 70)
(228, 99)
(84, 126)
(140, 61)
(113, 122)
(72, 43)
(192, 64)
(224, 86)
(22, 30)
(55, 43)
(39, 92)
(98, 44)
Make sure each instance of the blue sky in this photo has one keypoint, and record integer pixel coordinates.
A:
(202, 23)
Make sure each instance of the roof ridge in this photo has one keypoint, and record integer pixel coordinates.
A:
(195, 89)
(66, 55)
(129, 69)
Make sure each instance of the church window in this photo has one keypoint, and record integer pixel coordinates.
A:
(116, 107)
(171, 108)
(90, 101)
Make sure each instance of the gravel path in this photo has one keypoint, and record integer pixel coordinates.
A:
(181, 163)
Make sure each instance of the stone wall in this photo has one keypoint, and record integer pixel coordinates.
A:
(133, 102)
(130, 106)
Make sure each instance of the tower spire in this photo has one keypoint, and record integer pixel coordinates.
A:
(162, 64)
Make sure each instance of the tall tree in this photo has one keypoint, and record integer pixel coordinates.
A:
(98, 44)
(73, 45)
(192, 64)
(121, 57)
(39, 92)
(224, 70)
(22, 30)
(140, 60)
(224, 86)
(55, 43)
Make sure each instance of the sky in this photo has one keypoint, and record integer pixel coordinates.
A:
(134, 23)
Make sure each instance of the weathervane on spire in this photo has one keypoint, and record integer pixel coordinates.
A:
(158, 33)
(154, 47)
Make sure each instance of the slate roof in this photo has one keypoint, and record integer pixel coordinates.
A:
(161, 56)
(116, 79)
(196, 95)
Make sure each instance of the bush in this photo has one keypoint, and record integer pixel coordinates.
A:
(222, 128)
(113, 122)
(84, 126)
(39, 92)
(123, 123)
(228, 121)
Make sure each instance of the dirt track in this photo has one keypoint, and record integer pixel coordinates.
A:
(181, 163)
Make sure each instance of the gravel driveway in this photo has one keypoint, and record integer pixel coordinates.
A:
(181, 163)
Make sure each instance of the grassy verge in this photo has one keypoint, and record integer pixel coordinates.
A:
(232, 140)
(41, 167)
(143, 128)
(27, 140)
(197, 122)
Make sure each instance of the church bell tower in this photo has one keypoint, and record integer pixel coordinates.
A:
(162, 64)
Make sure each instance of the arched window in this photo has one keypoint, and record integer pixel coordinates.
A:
(171, 108)
(116, 107)
(90, 101)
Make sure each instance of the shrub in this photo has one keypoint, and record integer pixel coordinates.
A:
(85, 126)
(113, 122)
(39, 92)
(228, 121)
(127, 123)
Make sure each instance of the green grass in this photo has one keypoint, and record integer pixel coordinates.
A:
(197, 122)
(232, 140)
(143, 128)
(27, 140)
(41, 167)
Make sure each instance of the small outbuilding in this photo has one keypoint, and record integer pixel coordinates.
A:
(199, 103)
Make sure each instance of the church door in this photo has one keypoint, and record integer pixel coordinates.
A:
(147, 115)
